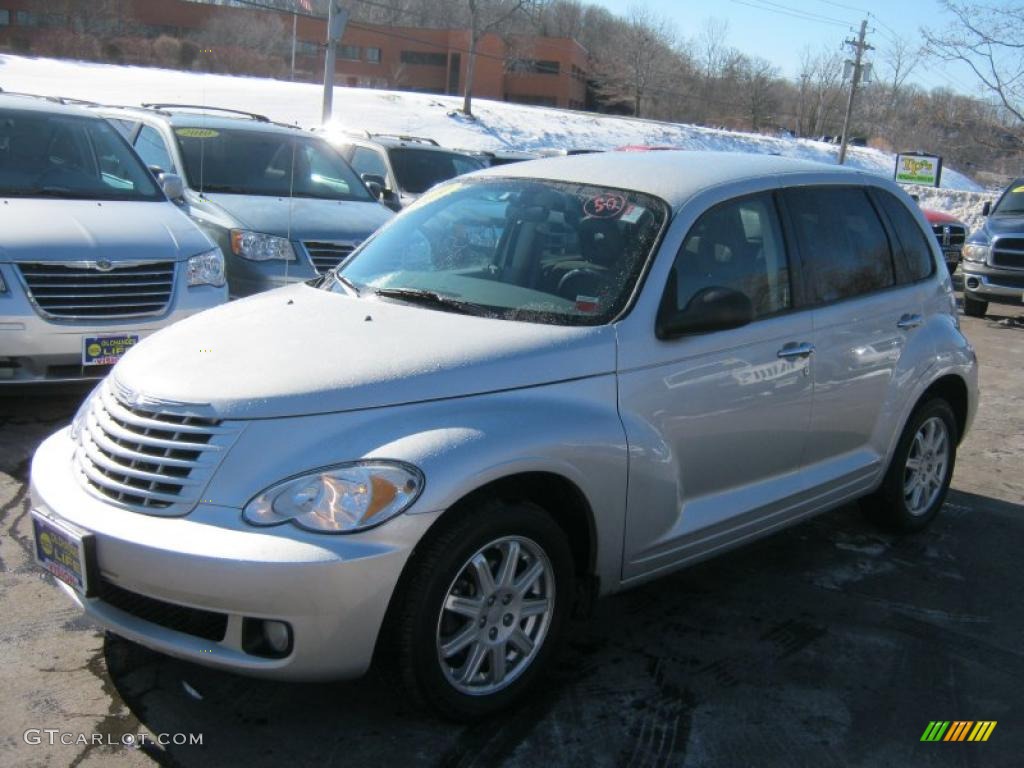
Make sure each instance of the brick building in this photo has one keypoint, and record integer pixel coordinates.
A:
(529, 70)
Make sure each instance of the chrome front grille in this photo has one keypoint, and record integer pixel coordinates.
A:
(950, 236)
(84, 290)
(326, 256)
(1008, 252)
(148, 458)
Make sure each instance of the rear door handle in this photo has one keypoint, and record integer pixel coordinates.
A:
(793, 349)
(909, 321)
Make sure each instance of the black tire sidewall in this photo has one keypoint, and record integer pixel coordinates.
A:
(479, 527)
(974, 307)
(895, 512)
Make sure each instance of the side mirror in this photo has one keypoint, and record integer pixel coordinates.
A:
(376, 183)
(711, 309)
(916, 198)
(986, 209)
(172, 185)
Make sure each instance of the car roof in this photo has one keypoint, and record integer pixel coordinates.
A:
(673, 175)
(195, 118)
(30, 102)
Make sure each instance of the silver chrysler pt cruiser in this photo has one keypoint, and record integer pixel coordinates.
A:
(539, 381)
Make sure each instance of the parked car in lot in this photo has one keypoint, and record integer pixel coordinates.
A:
(993, 257)
(93, 255)
(402, 167)
(443, 452)
(283, 205)
(950, 233)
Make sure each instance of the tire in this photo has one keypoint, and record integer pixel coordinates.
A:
(929, 441)
(430, 649)
(951, 266)
(974, 307)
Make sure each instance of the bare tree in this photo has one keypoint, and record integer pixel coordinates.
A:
(485, 17)
(759, 80)
(988, 38)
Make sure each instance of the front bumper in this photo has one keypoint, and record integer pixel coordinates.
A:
(995, 285)
(333, 591)
(34, 349)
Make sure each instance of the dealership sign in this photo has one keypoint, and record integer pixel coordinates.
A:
(918, 168)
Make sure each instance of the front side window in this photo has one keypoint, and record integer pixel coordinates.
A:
(737, 245)
(43, 154)
(842, 241)
(549, 252)
(912, 254)
(369, 161)
(151, 148)
(417, 170)
(254, 162)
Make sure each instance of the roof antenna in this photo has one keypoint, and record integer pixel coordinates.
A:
(291, 203)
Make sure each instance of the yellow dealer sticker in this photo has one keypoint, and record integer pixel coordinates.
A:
(1017, 190)
(197, 133)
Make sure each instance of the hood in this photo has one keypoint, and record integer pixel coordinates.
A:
(302, 217)
(89, 230)
(300, 350)
(939, 217)
(1012, 224)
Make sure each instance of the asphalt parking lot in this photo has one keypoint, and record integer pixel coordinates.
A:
(828, 644)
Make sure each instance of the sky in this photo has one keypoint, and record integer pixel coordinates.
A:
(779, 30)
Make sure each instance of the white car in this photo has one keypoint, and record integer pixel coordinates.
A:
(93, 255)
(537, 381)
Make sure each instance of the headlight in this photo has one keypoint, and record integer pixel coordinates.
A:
(976, 252)
(259, 247)
(342, 499)
(207, 268)
(3, 285)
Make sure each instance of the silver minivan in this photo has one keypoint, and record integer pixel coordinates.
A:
(538, 382)
(93, 256)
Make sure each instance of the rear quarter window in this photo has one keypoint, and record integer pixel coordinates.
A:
(912, 255)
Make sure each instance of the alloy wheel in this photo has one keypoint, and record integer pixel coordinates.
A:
(925, 469)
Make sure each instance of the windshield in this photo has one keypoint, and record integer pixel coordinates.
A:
(245, 162)
(46, 154)
(417, 170)
(1012, 200)
(551, 252)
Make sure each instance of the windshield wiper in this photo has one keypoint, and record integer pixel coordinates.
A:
(430, 299)
(347, 282)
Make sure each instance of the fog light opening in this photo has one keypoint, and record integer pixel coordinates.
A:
(972, 282)
(268, 638)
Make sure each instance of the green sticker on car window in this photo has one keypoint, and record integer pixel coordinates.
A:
(197, 133)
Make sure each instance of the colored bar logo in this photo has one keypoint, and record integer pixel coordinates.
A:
(958, 730)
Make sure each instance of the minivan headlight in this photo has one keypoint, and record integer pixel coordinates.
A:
(82, 413)
(342, 499)
(975, 252)
(206, 268)
(256, 246)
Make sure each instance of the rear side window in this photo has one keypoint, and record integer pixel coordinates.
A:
(738, 245)
(368, 161)
(842, 241)
(912, 253)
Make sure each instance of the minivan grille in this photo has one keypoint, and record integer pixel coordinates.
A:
(1008, 252)
(146, 458)
(83, 290)
(326, 256)
(950, 235)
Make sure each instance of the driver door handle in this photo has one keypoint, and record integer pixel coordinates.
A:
(793, 349)
(909, 321)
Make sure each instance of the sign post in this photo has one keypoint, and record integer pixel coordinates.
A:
(918, 168)
(337, 18)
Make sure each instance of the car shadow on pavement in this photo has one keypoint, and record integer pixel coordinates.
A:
(814, 636)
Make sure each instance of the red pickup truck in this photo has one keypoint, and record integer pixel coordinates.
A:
(950, 232)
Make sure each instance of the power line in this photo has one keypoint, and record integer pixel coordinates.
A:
(797, 14)
(845, 6)
(810, 14)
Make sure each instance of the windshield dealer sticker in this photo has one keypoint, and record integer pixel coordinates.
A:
(1017, 190)
(587, 304)
(197, 133)
(606, 206)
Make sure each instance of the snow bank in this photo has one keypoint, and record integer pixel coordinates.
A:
(497, 124)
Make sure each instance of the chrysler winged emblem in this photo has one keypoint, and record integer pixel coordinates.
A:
(104, 266)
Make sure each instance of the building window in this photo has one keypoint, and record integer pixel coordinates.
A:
(349, 52)
(537, 101)
(533, 67)
(373, 55)
(306, 48)
(425, 59)
(5, 17)
(26, 19)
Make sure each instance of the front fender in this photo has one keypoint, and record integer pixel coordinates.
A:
(570, 429)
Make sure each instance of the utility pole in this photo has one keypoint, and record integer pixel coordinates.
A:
(337, 18)
(859, 47)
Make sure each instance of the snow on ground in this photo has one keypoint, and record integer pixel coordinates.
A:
(499, 125)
